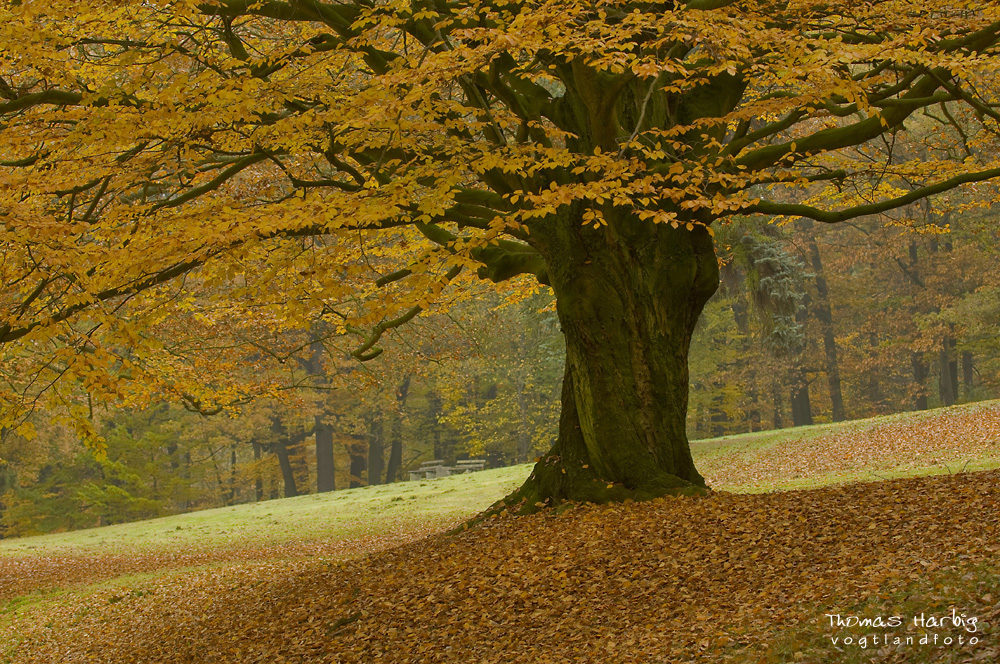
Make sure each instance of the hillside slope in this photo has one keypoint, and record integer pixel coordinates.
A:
(359, 575)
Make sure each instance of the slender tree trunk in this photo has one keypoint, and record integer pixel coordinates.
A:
(232, 475)
(801, 405)
(376, 448)
(919, 380)
(287, 474)
(953, 362)
(433, 412)
(825, 317)
(172, 456)
(258, 481)
(627, 311)
(719, 417)
(777, 421)
(703, 425)
(872, 386)
(325, 469)
(280, 449)
(357, 450)
(946, 387)
(967, 373)
(754, 414)
(396, 434)
(522, 434)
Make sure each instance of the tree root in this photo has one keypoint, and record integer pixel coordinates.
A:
(551, 486)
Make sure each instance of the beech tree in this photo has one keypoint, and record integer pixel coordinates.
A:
(279, 151)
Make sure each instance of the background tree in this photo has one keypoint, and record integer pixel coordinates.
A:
(284, 150)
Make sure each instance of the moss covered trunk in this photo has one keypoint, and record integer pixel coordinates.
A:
(628, 297)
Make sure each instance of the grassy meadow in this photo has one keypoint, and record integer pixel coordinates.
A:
(54, 586)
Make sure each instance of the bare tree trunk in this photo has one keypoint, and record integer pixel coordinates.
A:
(232, 475)
(357, 450)
(777, 421)
(801, 407)
(325, 468)
(873, 388)
(258, 482)
(825, 316)
(287, 474)
(919, 379)
(376, 448)
(946, 387)
(396, 434)
(967, 373)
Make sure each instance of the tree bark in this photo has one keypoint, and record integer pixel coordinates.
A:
(627, 310)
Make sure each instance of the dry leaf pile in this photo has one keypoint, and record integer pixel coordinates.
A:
(674, 580)
(943, 436)
(21, 576)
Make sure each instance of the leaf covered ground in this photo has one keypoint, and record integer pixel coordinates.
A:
(726, 578)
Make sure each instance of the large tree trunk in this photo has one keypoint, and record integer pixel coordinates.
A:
(627, 311)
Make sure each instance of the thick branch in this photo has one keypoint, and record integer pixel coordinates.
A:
(832, 217)
(368, 350)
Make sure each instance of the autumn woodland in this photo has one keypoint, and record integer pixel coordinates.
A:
(499, 331)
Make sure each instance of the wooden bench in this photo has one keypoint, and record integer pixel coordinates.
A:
(430, 470)
(434, 469)
(470, 465)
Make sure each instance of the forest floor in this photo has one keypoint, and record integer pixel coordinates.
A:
(758, 571)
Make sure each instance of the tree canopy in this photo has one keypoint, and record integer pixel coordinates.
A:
(274, 164)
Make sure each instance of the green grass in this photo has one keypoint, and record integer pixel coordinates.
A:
(369, 511)
(365, 511)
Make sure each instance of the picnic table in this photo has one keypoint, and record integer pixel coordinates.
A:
(436, 468)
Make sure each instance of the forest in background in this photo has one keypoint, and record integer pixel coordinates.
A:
(826, 323)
